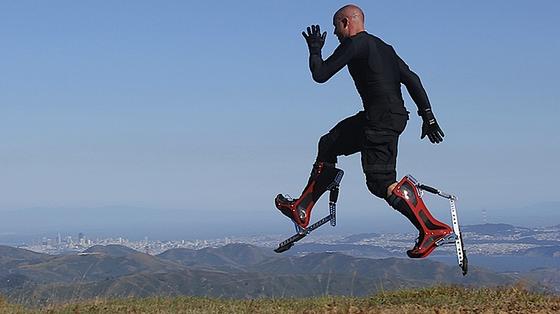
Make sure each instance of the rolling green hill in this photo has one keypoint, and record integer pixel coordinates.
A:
(234, 271)
(233, 257)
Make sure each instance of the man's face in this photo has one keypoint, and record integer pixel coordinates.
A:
(340, 27)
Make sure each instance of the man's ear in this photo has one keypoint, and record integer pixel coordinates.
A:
(345, 22)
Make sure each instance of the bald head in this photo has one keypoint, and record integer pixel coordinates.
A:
(348, 21)
(352, 12)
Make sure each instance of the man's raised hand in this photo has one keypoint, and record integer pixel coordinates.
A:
(315, 40)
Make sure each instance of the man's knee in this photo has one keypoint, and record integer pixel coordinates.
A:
(325, 142)
(325, 152)
(378, 187)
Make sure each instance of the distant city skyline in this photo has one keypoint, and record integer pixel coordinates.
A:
(21, 226)
(198, 114)
(500, 247)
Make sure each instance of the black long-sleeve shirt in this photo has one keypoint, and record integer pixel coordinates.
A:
(376, 69)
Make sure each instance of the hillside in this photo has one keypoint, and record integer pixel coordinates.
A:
(237, 271)
(441, 299)
(11, 257)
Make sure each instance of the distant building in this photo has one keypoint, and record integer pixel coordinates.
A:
(81, 239)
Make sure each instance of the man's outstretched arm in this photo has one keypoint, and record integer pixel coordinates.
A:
(322, 71)
(417, 92)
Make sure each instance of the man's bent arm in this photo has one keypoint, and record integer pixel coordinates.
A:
(322, 71)
(414, 86)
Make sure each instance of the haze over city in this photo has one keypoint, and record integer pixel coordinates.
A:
(182, 119)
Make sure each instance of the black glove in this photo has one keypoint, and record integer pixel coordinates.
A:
(314, 39)
(430, 126)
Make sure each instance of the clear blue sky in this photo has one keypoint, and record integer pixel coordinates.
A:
(208, 108)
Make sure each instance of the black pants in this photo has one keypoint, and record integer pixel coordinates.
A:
(375, 135)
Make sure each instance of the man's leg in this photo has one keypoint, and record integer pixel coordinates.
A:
(379, 157)
(379, 160)
(343, 139)
(406, 199)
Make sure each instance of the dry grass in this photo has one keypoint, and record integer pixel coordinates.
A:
(429, 300)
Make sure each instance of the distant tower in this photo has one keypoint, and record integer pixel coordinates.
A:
(81, 239)
(58, 239)
(146, 245)
(484, 216)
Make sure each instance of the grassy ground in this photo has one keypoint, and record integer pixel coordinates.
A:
(430, 300)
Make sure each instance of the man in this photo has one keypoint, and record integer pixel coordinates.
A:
(377, 72)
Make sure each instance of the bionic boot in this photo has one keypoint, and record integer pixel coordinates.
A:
(324, 177)
(407, 200)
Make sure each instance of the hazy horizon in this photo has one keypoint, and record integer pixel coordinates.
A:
(172, 224)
